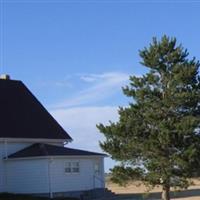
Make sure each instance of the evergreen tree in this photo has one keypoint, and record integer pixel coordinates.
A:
(157, 137)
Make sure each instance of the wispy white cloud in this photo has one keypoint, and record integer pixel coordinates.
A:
(88, 78)
(109, 76)
(80, 123)
(101, 87)
(57, 83)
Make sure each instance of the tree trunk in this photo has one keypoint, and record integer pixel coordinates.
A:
(165, 193)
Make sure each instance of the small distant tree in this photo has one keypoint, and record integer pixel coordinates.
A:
(157, 137)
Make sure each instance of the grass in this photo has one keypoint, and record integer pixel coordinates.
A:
(7, 196)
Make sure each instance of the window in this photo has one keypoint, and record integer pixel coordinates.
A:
(67, 167)
(75, 167)
(72, 167)
(97, 168)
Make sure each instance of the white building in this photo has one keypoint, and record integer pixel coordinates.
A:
(33, 159)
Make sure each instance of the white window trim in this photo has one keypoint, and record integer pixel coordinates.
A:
(98, 165)
(71, 167)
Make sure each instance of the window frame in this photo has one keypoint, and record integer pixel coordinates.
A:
(75, 165)
(72, 165)
(67, 165)
(97, 168)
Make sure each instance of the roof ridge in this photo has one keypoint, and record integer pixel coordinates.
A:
(43, 148)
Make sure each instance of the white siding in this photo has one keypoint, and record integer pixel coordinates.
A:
(99, 181)
(1, 167)
(9, 148)
(31, 175)
(84, 180)
(27, 176)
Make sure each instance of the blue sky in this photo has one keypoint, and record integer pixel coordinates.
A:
(76, 55)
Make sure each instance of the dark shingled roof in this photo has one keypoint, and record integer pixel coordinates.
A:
(40, 149)
(23, 116)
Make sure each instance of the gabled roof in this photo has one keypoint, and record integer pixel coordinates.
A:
(41, 150)
(23, 116)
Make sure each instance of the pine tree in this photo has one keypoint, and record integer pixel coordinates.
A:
(157, 137)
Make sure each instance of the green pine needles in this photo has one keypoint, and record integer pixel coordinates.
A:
(157, 137)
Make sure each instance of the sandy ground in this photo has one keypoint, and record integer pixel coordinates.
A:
(193, 192)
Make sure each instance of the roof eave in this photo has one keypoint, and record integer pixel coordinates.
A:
(56, 157)
(36, 140)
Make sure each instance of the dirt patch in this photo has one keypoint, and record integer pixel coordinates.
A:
(137, 188)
